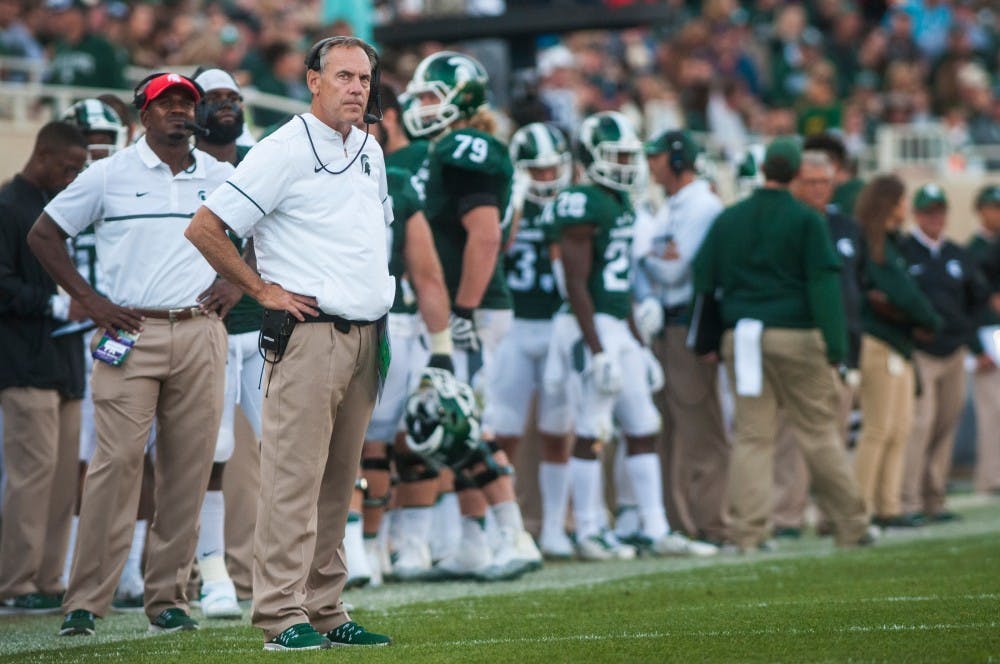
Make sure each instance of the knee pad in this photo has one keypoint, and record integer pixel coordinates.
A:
(412, 468)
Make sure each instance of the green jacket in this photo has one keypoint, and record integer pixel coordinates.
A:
(892, 278)
(985, 252)
(769, 257)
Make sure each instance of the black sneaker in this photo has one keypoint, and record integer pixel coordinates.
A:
(943, 516)
(36, 603)
(353, 634)
(298, 637)
(78, 622)
(173, 620)
(787, 532)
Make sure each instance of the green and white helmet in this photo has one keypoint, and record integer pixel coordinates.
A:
(442, 419)
(539, 145)
(93, 116)
(610, 151)
(457, 83)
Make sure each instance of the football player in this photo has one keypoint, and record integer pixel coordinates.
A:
(467, 196)
(543, 166)
(595, 222)
(412, 254)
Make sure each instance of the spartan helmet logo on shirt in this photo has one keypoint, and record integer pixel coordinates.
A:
(366, 166)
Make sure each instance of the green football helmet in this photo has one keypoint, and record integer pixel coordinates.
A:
(539, 145)
(442, 419)
(610, 151)
(93, 116)
(447, 86)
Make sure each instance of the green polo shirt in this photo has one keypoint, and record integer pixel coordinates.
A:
(770, 258)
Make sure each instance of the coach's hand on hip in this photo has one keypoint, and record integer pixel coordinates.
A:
(273, 296)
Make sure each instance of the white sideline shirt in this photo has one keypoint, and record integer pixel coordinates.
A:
(684, 219)
(140, 210)
(315, 233)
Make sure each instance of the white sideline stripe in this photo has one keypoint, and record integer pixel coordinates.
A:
(631, 636)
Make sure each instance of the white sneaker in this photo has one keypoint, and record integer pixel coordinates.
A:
(218, 600)
(675, 544)
(374, 552)
(556, 545)
(604, 546)
(514, 555)
(471, 560)
(413, 560)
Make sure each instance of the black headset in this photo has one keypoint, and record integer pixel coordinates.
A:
(139, 96)
(373, 111)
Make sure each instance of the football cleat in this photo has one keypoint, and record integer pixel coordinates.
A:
(675, 544)
(604, 546)
(218, 600)
(412, 561)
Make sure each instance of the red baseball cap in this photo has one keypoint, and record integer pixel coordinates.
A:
(164, 82)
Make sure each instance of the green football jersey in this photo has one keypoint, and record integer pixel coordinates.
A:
(406, 202)
(247, 314)
(529, 268)
(612, 216)
(411, 158)
(83, 247)
(466, 161)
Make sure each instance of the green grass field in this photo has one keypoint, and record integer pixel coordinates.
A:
(929, 595)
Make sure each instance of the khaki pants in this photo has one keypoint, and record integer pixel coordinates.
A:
(798, 379)
(935, 422)
(694, 440)
(176, 372)
(317, 404)
(791, 476)
(241, 488)
(41, 440)
(986, 395)
(886, 419)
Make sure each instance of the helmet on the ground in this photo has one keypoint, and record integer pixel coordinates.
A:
(442, 419)
(458, 84)
(539, 145)
(610, 151)
(93, 116)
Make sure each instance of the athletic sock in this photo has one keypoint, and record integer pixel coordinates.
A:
(508, 516)
(447, 526)
(647, 483)
(74, 526)
(212, 536)
(553, 483)
(585, 483)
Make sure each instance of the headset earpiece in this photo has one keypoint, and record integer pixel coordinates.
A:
(676, 158)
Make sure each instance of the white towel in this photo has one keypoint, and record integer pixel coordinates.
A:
(747, 357)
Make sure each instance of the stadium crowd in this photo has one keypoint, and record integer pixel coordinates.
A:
(708, 356)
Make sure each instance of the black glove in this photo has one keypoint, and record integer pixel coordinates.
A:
(463, 329)
(441, 361)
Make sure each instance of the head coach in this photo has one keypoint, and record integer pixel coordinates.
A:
(313, 196)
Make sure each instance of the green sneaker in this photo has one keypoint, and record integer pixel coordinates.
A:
(36, 603)
(298, 637)
(78, 622)
(353, 634)
(173, 620)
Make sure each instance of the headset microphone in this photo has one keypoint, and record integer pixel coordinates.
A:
(196, 128)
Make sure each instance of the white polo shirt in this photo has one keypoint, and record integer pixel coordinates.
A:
(314, 232)
(683, 219)
(140, 210)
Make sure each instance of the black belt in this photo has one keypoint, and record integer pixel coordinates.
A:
(675, 312)
(342, 324)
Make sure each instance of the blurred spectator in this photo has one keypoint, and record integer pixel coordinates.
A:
(932, 20)
(16, 40)
(819, 109)
(285, 77)
(81, 57)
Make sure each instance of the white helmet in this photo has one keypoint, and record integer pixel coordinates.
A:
(93, 116)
